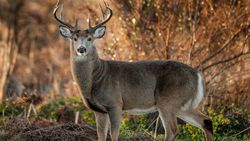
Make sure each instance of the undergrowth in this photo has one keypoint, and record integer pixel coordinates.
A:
(228, 122)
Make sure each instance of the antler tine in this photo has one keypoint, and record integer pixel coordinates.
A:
(105, 3)
(57, 4)
(89, 21)
(103, 15)
(56, 7)
(61, 15)
(76, 23)
(59, 19)
(105, 20)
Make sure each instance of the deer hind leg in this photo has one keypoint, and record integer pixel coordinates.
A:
(169, 122)
(197, 119)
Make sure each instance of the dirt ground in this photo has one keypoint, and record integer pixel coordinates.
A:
(41, 130)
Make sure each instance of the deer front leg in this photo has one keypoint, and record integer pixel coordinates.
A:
(102, 122)
(115, 116)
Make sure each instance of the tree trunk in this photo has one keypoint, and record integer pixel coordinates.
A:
(8, 54)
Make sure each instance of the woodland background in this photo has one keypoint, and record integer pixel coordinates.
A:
(211, 35)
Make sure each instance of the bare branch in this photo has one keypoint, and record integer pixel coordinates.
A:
(222, 71)
(226, 45)
(224, 61)
(199, 50)
(236, 134)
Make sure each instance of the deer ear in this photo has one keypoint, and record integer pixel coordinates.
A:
(65, 31)
(99, 32)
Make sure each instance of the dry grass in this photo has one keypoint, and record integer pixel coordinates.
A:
(41, 130)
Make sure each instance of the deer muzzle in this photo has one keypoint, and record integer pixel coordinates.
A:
(82, 50)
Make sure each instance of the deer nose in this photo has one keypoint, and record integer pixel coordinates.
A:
(82, 49)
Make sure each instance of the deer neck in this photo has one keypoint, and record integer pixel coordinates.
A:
(86, 72)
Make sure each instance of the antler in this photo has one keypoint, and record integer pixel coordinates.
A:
(105, 18)
(61, 21)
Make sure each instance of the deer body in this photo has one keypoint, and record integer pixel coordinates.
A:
(111, 88)
(133, 85)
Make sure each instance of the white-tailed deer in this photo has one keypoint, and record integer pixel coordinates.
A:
(110, 88)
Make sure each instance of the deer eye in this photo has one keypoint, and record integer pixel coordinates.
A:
(89, 39)
(75, 39)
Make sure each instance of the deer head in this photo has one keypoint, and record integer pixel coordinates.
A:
(82, 40)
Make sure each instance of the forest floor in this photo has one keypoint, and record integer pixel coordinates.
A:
(20, 129)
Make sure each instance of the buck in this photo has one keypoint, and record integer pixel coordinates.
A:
(110, 88)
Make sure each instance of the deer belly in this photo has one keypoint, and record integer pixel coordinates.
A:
(136, 111)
